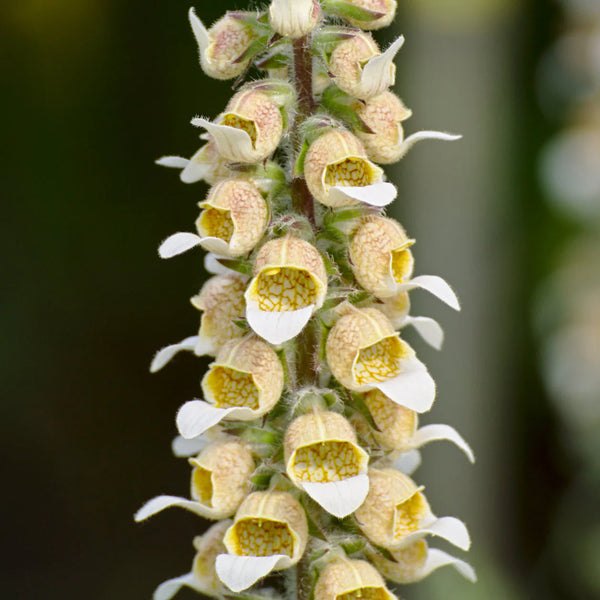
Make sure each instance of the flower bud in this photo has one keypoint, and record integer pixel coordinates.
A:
(294, 18)
(289, 284)
(269, 533)
(243, 384)
(250, 128)
(383, 114)
(397, 427)
(360, 69)
(417, 561)
(338, 172)
(203, 577)
(323, 458)
(386, 8)
(380, 256)
(222, 301)
(222, 45)
(206, 165)
(395, 513)
(233, 219)
(351, 580)
(364, 352)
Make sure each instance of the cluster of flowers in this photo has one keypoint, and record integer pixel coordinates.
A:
(303, 444)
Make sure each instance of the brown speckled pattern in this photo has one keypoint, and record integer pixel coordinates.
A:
(229, 38)
(250, 355)
(240, 198)
(229, 464)
(208, 547)
(350, 580)
(347, 60)
(353, 332)
(380, 256)
(383, 114)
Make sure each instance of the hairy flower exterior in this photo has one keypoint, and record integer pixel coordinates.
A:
(221, 45)
(380, 256)
(395, 513)
(338, 172)
(387, 8)
(294, 18)
(351, 580)
(364, 352)
(323, 458)
(289, 284)
(269, 533)
(203, 577)
(250, 128)
(360, 69)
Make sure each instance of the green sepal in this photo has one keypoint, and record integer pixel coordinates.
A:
(274, 61)
(333, 234)
(359, 297)
(313, 529)
(384, 552)
(257, 46)
(345, 214)
(235, 264)
(327, 38)
(353, 544)
(339, 8)
(261, 480)
(299, 164)
(341, 105)
(257, 435)
(242, 324)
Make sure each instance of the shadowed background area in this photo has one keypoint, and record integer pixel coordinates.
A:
(93, 93)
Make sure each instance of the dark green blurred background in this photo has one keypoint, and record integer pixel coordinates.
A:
(93, 92)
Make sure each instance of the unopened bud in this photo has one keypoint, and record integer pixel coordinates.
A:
(294, 18)
(385, 8)
(338, 172)
(323, 458)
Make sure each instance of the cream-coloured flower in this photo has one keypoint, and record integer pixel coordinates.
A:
(289, 284)
(206, 165)
(233, 219)
(360, 69)
(384, 114)
(243, 384)
(395, 513)
(398, 427)
(294, 18)
(324, 459)
(345, 579)
(338, 172)
(222, 45)
(364, 352)
(417, 561)
(220, 481)
(221, 301)
(203, 577)
(250, 128)
(386, 8)
(269, 533)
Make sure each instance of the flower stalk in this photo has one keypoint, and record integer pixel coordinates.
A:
(308, 415)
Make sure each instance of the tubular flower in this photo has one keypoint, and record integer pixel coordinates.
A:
(294, 18)
(206, 165)
(232, 221)
(360, 69)
(338, 172)
(222, 45)
(398, 427)
(364, 352)
(243, 384)
(385, 8)
(249, 130)
(351, 580)
(383, 114)
(417, 561)
(269, 533)
(289, 284)
(395, 513)
(203, 577)
(222, 301)
(324, 459)
(220, 481)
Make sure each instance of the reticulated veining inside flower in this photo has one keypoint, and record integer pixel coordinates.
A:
(409, 514)
(401, 264)
(364, 593)
(350, 171)
(378, 362)
(232, 120)
(232, 388)
(284, 289)
(203, 487)
(218, 223)
(262, 537)
(326, 461)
